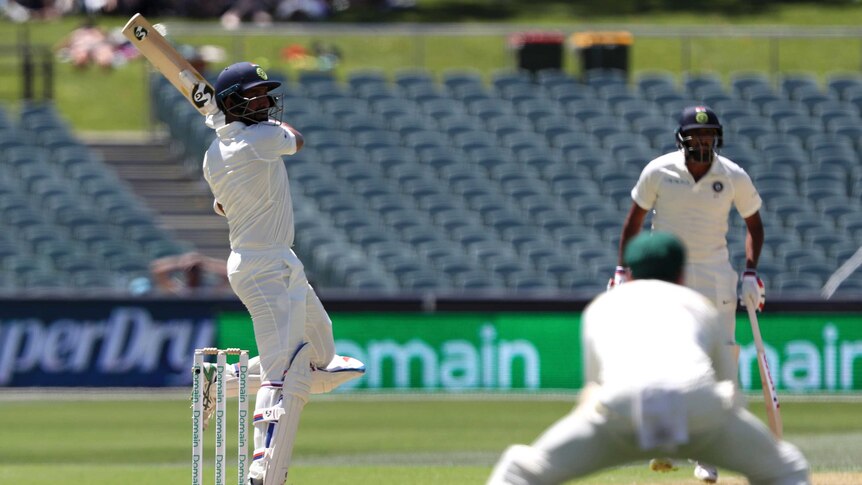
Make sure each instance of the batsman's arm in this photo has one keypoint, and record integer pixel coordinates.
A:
(753, 240)
(300, 140)
(631, 227)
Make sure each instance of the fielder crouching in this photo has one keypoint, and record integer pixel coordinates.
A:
(666, 389)
(244, 169)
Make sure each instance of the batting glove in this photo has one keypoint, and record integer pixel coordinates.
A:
(215, 120)
(621, 275)
(753, 290)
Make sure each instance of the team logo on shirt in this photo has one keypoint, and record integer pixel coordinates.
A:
(717, 187)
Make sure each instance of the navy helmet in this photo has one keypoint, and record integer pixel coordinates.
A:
(235, 80)
(240, 77)
(697, 117)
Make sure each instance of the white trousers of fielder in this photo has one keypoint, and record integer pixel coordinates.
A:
(611, 429)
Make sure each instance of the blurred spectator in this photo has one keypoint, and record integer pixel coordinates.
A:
(88, 44)
(41, 9)
(98, 6)
(258, 11)
(302, 10)
(189, 273)
(318, 57)
(14, 11)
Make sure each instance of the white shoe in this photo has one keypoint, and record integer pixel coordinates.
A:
(705, 473)
(339, 370)
(662, 465)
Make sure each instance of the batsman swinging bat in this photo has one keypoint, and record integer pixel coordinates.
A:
(770, 397)
(174, 67)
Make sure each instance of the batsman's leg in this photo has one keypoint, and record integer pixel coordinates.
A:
(297, 387)
(324, 379)
(330, 370)
(267, 411)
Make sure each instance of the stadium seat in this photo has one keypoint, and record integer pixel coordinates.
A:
(780, 109)
(790, 82)
(846, 126)
(795, 283)
(742, 81)
(478, 280)
(692, 81)
(504, 78)
(585, 109)
(647, 79)
(566, 92)
(839, 83)
(604, 76)
(810, 97)
(359, 78)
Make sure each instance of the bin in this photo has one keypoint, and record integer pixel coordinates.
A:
(538, 50)
(603, 50)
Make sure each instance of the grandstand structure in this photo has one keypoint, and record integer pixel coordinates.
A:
(420, 182)
(68, 221)
(449, 182)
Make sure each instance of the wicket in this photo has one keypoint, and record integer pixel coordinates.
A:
(198, 389)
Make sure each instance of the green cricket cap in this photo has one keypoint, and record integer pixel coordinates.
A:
(655, 256)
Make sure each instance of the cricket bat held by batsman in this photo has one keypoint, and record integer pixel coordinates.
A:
(174, 67)
(770, 397)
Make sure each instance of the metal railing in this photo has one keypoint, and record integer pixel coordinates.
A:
(28, 70)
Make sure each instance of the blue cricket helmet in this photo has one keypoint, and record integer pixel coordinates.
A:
(240, 77)
(694, 117)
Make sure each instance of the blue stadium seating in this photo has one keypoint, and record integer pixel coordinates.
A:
(63, 206)
(523, 182)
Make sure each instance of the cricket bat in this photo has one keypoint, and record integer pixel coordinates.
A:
(174, 67)
(770, 397)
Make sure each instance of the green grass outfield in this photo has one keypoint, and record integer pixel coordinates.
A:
(144, 438)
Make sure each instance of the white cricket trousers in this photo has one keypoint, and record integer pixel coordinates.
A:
(603, 432)
(285, 312)
(716, 280)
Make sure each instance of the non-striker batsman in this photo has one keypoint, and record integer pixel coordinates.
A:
(691, 192)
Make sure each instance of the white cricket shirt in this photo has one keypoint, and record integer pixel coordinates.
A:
(696, 212)
(246, 174)
(649, 332)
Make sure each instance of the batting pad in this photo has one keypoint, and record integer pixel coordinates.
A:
(297, 387)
